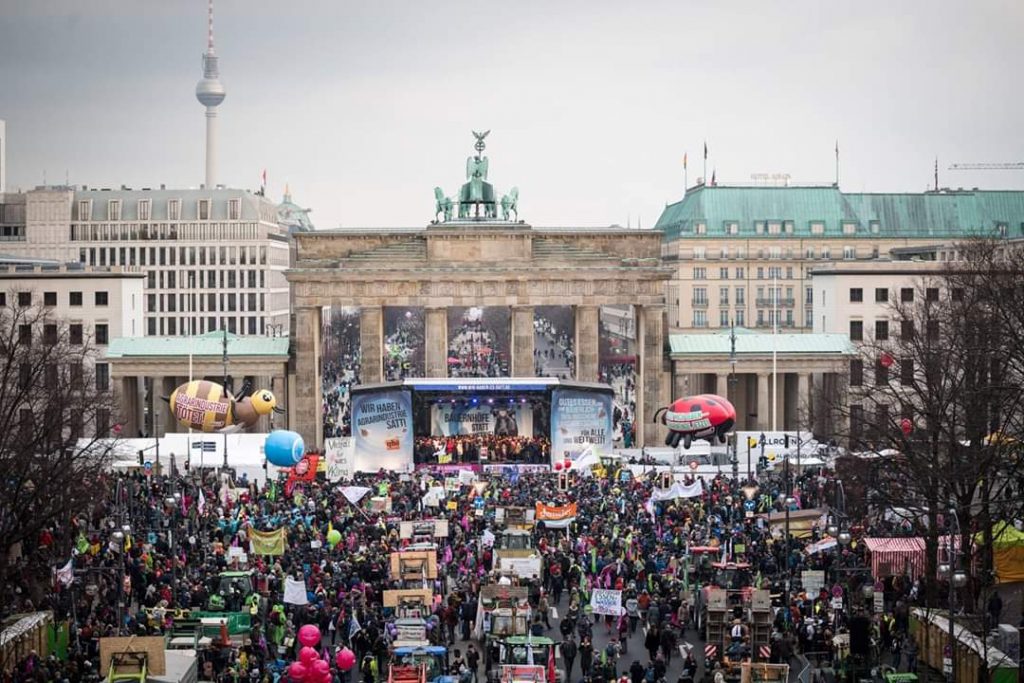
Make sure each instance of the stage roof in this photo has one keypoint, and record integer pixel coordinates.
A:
(484, 384)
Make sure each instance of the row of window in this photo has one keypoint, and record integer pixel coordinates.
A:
(765, 296)
(776, 253)
(76, 334)
(12, 233)
(906, 294)
(75, 377)
(738, 317)
(784, 227)
(771, 273)
(127, 232)
(173, 256)
(54, 424)
(194, 302)
(907, 330)
(143, 209)
(906, 372)
(50, 299)
(170, 326)
(210, 279)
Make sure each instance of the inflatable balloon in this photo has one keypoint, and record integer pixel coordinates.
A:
(567, 463)
(558, 465)
(345, 659)
(333, 537)
(308, 655)
(284, 448)
(696, 417)
(297, 671)
(208, 407)
(320, 667)
(309, 635)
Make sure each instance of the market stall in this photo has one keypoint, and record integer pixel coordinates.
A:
(896, 556)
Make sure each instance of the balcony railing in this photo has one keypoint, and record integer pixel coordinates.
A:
(699, 303)
(782, 301)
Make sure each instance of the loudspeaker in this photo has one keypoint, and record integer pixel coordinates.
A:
(860, 636)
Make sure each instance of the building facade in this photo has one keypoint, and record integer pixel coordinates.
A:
(212, 259)
(744, 255)
(90, 305)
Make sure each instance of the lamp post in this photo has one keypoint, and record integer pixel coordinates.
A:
(224, 360)
(787, 502)
(957, 579)
(732, 398)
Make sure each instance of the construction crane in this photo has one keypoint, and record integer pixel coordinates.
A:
(1010, 166)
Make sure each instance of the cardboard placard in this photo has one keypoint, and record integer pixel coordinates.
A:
(435, 528)
(412, 565)
(151, 646)
(394, 598)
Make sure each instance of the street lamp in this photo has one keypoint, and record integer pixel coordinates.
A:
(957, 579)
(844, 537)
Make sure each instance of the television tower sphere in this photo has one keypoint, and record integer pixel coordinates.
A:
(210, 92)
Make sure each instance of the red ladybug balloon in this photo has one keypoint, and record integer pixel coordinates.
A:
(704, 416)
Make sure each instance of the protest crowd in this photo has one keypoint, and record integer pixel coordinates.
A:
(319, 554)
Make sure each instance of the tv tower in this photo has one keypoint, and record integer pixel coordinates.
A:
(210, 93)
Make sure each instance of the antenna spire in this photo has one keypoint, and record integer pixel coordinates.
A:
(209, 44)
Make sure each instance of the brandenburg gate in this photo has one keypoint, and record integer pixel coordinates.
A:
(471, 257)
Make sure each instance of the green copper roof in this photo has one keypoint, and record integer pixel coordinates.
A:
(209, 344)
(945, 214)
(759, 343)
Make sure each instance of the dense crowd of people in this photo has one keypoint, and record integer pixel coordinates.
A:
(180, 532)
(473, 352)
(482, 448)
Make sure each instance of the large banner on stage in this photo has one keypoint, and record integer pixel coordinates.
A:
(449, 419)
(581, 423)
(382, 430)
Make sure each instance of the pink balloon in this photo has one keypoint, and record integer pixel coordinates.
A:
(567, 463)
(558, 465)
(309, 635)
(320, 667)
(308, 655)
(345, 659)
(298, 671)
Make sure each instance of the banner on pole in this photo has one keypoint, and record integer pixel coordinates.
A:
(266, 542)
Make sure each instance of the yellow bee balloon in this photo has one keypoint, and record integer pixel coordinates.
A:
(208, 407)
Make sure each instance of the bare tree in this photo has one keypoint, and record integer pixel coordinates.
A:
(938, 390)
(54, 427)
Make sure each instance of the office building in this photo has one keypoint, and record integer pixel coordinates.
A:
(743, 255)
(213, 259)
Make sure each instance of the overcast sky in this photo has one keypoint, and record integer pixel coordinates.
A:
(363, 107)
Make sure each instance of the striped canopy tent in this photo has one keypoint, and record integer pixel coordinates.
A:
(896, 556)
(1007, 551)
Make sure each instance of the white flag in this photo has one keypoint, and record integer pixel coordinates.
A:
(201, 503)
(354, 494)
(66, 574)
(295, 592)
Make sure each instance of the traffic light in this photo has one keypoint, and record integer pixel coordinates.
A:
(563, 481)
(666, 480)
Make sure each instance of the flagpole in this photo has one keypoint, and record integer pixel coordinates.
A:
(837, 163)
(775, 351)
(705, 162)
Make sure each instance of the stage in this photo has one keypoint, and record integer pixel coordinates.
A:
(479, 424)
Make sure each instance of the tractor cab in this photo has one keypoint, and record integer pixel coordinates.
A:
(520, 652)
(433, 659)
(228, 591)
